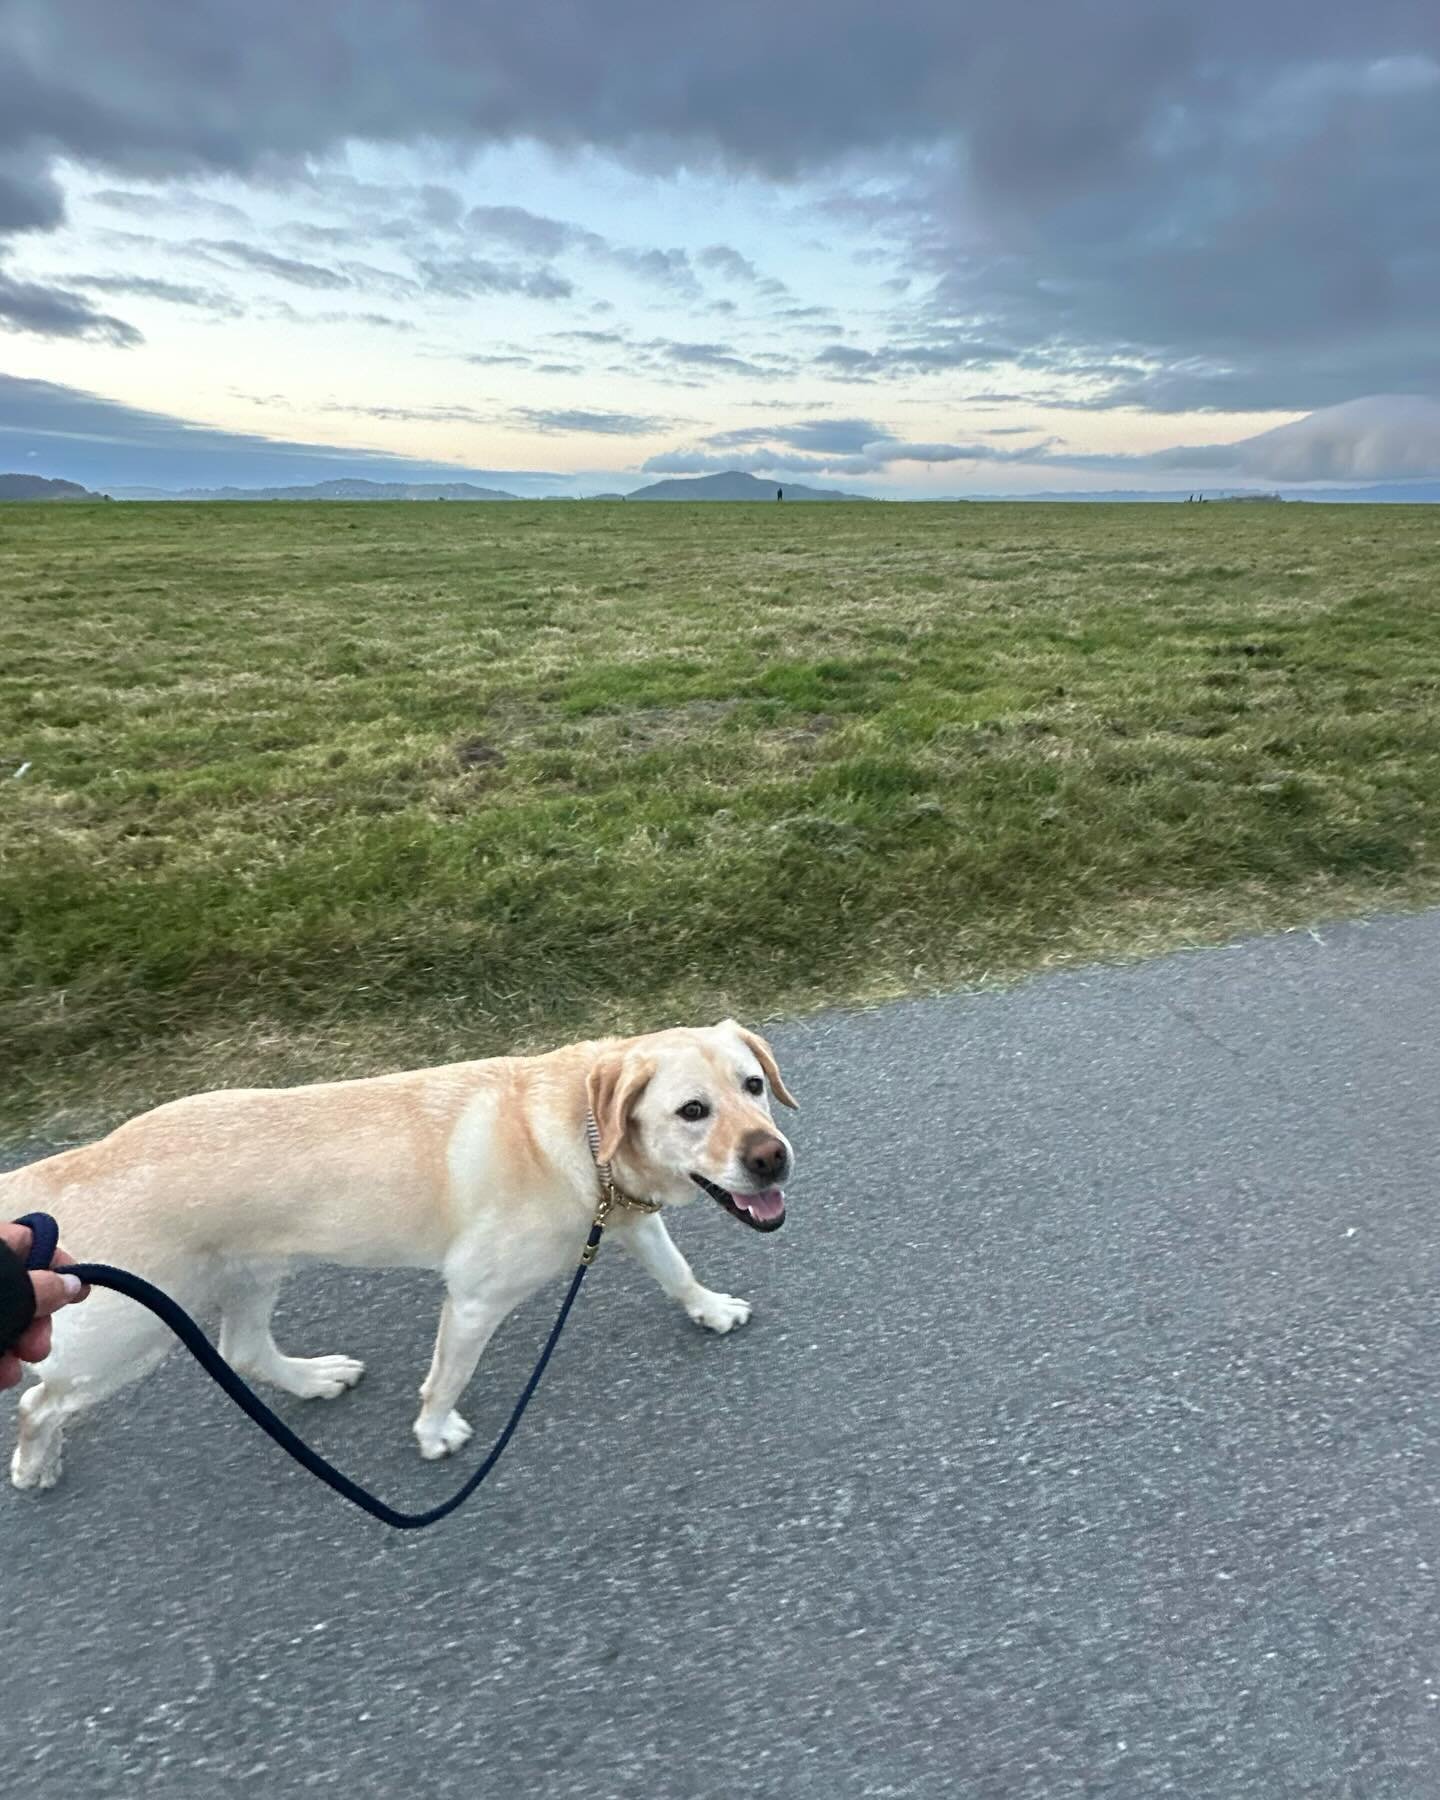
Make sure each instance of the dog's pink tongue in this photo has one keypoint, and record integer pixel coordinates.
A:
(768, 1205)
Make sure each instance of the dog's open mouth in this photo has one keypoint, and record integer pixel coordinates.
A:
(764, 1211)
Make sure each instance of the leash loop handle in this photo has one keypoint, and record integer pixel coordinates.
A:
(46, 1237)
(44, 1240)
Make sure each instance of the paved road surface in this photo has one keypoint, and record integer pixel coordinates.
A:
(1086, 1442)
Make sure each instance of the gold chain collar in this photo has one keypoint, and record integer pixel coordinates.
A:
(611, 1195)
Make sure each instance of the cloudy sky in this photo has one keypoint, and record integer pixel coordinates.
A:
(930, 247)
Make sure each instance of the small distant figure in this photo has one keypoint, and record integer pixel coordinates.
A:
(779, 493)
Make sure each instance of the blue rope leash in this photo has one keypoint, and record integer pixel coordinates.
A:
(45, 1235)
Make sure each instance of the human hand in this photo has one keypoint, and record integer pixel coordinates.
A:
(53, 1289)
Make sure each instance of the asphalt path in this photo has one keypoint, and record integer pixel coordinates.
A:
(1085, 1442)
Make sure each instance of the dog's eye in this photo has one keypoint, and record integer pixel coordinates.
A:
(694, 1110)
(754, 1085)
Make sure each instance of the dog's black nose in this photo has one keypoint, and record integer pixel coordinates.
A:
(765, 1157)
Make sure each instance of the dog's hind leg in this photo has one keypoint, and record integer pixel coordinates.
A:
(100, 1346)
(247, 1296)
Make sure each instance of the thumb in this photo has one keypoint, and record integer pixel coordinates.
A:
(52, 1291)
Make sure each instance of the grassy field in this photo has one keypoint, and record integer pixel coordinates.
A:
(330, 789)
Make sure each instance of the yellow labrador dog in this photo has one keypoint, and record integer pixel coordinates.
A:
(483, 1171)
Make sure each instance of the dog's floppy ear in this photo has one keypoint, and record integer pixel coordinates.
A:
(765, 1056)
(616, 1082)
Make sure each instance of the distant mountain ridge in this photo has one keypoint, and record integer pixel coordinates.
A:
(735, 485)
(39, 487)
(348, 488)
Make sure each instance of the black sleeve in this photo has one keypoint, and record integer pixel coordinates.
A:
(17, 1297)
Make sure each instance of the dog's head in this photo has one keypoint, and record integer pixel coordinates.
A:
(685, 1112)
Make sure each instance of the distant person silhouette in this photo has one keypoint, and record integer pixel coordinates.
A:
(779, 493)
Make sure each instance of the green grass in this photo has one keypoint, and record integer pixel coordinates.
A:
(327, 789)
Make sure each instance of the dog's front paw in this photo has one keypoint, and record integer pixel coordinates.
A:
(323, 1377)
(32, 1471)
(442, 1438)
(717, 1312)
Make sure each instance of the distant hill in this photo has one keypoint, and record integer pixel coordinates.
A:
(37, 487)
(734, 486)
(346, 489)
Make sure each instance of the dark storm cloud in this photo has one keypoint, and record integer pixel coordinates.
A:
(1057, 91)
(1231, 194)
(1287, 379)
(1281, 251)
(1053, 99)
(30, 198)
